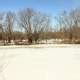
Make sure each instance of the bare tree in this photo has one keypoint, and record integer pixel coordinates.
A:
(41, 24)
(1, 26)
(25, 17)
(66, 24)
(75, 15)
(33, 23)
(9, 25)
(69, 23)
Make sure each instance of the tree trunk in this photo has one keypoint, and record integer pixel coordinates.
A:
(9, 39)
(30, 40)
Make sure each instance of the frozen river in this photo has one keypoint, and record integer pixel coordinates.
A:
(62, 63)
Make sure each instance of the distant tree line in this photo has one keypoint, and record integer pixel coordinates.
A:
(36, 26)
(33, 22)
(69, 25)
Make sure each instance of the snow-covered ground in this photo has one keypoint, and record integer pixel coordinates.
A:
(38, 62)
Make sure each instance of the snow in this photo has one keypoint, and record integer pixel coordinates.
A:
(42, 62)
(51, 41)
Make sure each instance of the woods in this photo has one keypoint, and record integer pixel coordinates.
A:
(31, 26)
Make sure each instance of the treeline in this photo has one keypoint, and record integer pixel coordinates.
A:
(69, 25)
(32, 22)
(32, 25)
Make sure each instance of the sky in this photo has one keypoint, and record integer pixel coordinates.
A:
(51, 7)
(48, 6)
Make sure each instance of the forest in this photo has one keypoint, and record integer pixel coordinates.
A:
(29, 26)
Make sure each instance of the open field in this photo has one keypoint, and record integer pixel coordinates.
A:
(41, 62)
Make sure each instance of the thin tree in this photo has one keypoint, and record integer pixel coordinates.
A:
(33, 23)
(9, 25)
(24, 20)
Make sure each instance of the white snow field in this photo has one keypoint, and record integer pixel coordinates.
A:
(57, 62)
